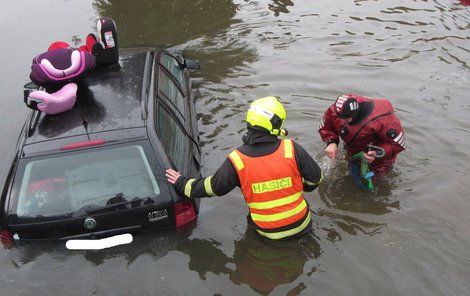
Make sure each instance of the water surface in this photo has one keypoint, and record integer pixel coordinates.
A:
(410, 238)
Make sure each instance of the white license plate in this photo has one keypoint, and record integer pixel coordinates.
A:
(99, 244)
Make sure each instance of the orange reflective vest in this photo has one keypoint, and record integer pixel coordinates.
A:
(273, 190)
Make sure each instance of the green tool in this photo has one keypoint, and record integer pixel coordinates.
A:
(365, 173)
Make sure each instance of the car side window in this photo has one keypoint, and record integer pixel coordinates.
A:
(173, 138)
(172, 65)
(168, 89)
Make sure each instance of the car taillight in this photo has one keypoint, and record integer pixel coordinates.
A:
(6, 239)
(184, 213)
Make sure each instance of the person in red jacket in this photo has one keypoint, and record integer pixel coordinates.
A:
(359, 122)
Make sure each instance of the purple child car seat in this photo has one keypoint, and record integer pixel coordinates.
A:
(60, 66)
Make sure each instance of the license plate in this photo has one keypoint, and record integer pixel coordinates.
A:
(99, 244)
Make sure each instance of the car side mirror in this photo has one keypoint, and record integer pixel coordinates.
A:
(192, 64)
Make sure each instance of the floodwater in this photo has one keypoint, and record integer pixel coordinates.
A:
(410, 238)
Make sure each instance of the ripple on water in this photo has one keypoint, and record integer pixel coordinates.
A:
(308, 52)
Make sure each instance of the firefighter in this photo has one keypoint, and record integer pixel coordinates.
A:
(272, 174)
(360, 122)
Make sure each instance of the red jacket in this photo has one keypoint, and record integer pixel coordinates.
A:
(381, 128)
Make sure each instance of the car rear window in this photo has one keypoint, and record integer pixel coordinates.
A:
(93, 178)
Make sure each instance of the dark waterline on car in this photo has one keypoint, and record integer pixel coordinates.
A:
(410, 238)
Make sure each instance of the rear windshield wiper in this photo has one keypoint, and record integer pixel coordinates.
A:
(115, 202)
(118, 198)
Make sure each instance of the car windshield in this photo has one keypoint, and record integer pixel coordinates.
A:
(89, 179)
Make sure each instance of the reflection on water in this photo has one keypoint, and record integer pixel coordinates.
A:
(348, 224)
(465, 2)
(280, 6)
(265, 265)
(415, 53)
(24, 253)
(166, 22)
(261, 264)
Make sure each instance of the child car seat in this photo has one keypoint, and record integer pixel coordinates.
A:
(106, 47)
(59, 66)
(60, 101)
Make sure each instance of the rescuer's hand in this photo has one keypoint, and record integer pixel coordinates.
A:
(172, 175)
(332, 151)
(370, 156)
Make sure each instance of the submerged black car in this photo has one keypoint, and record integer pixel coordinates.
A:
(97, 170)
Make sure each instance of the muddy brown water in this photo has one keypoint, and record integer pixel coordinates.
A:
(411, 238)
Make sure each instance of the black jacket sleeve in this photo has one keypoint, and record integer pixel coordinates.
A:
(308, 167)
(221, 183)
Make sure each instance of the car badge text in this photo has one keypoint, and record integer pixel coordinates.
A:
(157, 215)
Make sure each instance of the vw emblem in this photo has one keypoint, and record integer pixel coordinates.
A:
(89, 223)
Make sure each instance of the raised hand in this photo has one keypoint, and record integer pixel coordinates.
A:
(172, 175)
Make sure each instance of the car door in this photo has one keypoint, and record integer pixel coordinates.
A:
(176, 116)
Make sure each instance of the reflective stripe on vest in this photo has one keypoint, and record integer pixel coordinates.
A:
(279, 216)
(288, 148)
(236, 160)
(275, 203)
(272, 187)
(286, 233)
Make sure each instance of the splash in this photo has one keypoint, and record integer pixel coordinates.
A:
(331, 168)
(325, 164)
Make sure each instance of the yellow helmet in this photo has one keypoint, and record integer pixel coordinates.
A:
(267, 113)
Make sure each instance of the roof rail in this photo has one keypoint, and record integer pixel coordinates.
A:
(34, 119)
(146, 83)
(33, 123)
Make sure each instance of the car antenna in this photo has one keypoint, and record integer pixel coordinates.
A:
(84, 122)
(85, 126)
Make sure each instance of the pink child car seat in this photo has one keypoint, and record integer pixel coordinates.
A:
(57, 102)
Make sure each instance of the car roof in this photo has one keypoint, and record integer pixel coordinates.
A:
(108, 98)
